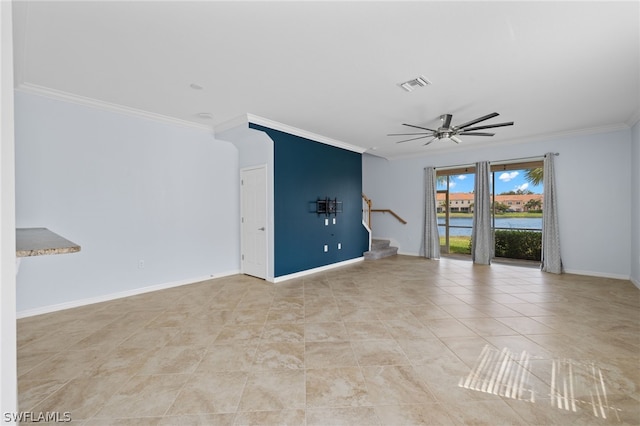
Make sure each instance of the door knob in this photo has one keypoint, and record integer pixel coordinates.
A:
(261, 229)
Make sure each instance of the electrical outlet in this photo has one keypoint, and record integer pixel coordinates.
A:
(334, 220)
(326, 222)
(339, 246)
(140, 264)
(326, 248)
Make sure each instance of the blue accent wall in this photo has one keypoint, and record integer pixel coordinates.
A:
(305, 170)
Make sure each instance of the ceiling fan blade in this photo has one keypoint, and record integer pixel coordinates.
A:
(408, 134)
(455, 139)
(477, 120)
(476, 134)
(418, 127)
(413, 139)
(446, 120)
(489, 126)
(429, 141)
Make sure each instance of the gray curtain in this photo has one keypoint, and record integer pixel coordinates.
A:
(431, 236)
(551, 261)
(481, 236)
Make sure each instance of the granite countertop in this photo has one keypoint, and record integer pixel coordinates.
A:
(41, 241)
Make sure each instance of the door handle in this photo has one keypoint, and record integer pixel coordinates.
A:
(261, 229)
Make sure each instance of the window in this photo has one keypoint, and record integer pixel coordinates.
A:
(516, 209)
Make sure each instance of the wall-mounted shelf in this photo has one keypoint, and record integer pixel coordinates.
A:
(328, 206)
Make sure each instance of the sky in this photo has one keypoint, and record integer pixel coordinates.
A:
(506, 181)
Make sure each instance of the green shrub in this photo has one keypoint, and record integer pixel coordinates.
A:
(518, 244)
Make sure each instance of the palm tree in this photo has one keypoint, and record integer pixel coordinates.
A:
(533, 204)
(534, 176)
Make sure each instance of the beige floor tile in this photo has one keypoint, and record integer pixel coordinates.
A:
(329, 354)
(281, 417)
(291, 333)
(279, 355)
(379, 352)
(326, 332)
(32, 392)
(144, 396)
(494, 412)
(488, 327)
(64, 365)
(210, 393)
(526, 325)
(28, 360)
(274, 390)
(336, 387)
(402, 340)
(172, 360)
(448, 328)
(123, 362)
(395, 384)
(315, 314)
(408, 329)
(233, 356)
(248, 316)
(224, 419)
(372, 330)
(287, 316)
(424, 351)
(343, 416)
(82, 398)
(234, 333)
(415, 414)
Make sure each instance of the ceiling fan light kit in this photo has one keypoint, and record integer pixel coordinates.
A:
(446, 131)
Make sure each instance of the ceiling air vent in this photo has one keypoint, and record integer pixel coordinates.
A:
(416, 82)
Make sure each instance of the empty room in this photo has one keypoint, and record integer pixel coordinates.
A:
(320, 213)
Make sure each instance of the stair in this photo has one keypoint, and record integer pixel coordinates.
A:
(380, 249)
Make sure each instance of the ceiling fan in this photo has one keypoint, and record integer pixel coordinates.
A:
(446, 131)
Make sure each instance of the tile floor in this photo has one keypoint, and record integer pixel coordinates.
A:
(401, 340)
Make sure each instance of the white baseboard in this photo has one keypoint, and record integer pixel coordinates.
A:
(635, 282)
(596, 274)
(119, 295)
(315, 270)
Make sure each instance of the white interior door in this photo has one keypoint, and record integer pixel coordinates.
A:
(254, 221)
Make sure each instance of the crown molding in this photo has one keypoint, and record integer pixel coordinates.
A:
(107, 106)
(512, 142)
(634, 119)
(244, 120)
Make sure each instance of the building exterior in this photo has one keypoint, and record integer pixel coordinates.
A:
(462, 202)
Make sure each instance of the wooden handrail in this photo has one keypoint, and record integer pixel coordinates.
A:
(394, 214)
(368, 201)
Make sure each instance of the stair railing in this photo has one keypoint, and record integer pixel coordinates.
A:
(367, 210)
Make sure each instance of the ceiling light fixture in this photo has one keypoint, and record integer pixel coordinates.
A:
(419, 81)
(206, 115)
(195, 86)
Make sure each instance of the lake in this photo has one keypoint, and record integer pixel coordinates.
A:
(534, 223)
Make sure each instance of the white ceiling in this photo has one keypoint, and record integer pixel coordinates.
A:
(333, 68)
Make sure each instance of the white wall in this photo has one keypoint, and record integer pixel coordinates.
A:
(635, 204)
(255, 148)
(594, 205)
(8, 368)
(126, 189)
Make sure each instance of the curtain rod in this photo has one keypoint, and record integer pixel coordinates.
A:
(497, 162)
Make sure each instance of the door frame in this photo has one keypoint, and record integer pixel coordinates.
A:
(267, 221)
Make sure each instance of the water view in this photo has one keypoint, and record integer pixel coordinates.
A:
(534, 223)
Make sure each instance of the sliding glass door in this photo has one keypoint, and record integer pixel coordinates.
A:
(455, 211)
(516, 207)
